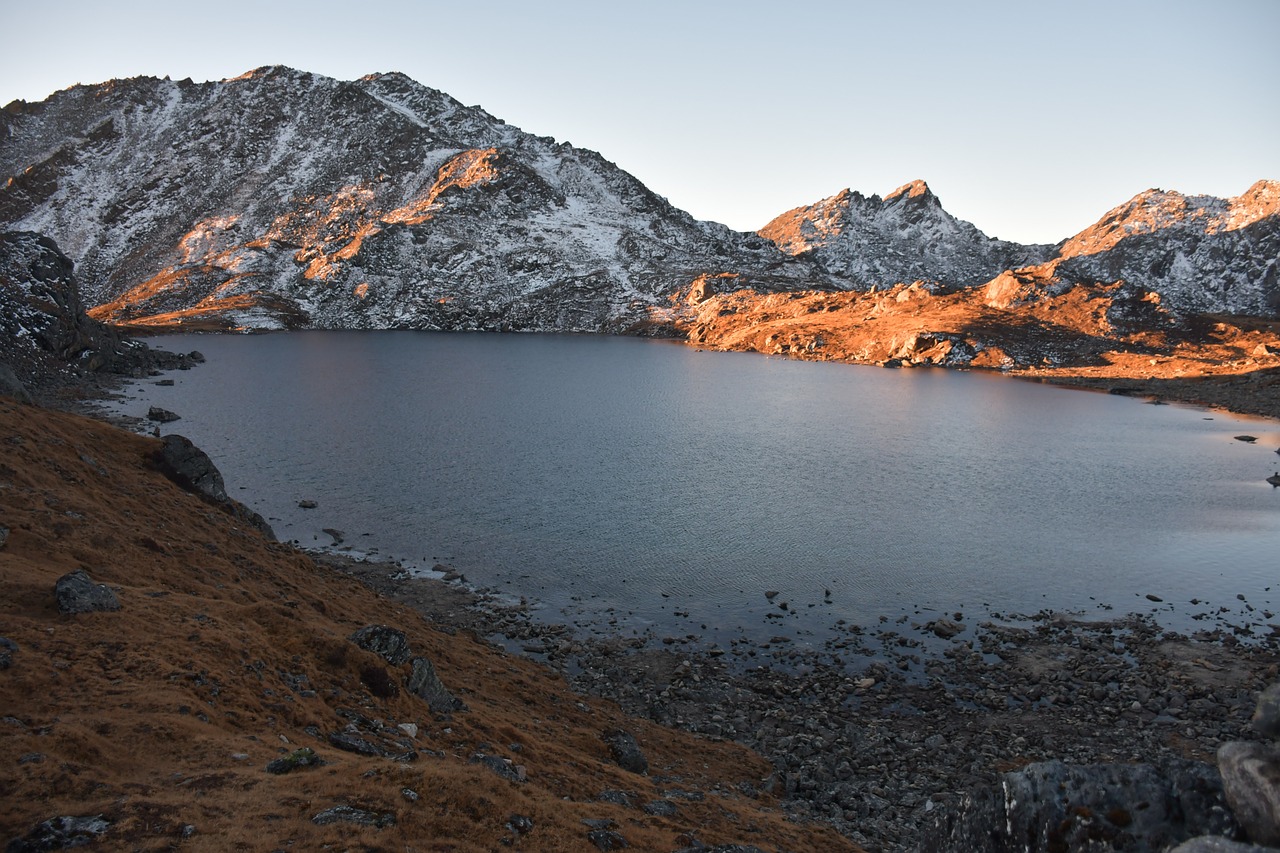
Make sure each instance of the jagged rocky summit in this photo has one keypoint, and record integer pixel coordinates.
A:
(1199, 254)
(285, 199)
(904, 237)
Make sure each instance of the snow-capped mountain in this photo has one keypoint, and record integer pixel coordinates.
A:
(1200, 253)
(282, 198)
(904, 237)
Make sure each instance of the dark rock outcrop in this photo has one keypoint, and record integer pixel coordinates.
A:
(1055, 806)
(60, 833)
(192, 469)
(626, 751)
(388, 643)
(77, 593)
(425, 684)
(351, 814)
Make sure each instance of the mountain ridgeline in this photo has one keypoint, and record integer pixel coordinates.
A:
(285, 199)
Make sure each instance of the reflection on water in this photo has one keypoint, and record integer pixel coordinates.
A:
(652, 484)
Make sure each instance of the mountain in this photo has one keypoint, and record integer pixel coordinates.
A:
(282, 198)
(286, 199)
(1200, 253)
(904, 237)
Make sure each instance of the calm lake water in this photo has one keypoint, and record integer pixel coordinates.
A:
(649, 485)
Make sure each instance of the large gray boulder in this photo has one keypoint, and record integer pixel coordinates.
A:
(77, 593)
(425, 684)
(1251, 779)
(388, 643)
(192, 469)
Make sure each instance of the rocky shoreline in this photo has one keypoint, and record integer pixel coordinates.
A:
(886, 730)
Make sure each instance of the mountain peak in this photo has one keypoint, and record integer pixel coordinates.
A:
(914, 189)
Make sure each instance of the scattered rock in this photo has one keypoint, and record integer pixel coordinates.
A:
(307, 504)
(163, 416)
(1266, 717)
(618, 798)
(4, 536)
(945, 628)
(607, 839)
(390, 644)
(11, 386)
(1151, 597)
(1251, 779)
(60, 833)
(337, 535)
(626, 752)
(351, 814)
(7, 648)
(299, 758)
(425, 684)
(504, 767)
(1248, 439)
(520, 824)
(660, 808)
(354, 743)
(77, 593)
(165, 383)
(409, 794)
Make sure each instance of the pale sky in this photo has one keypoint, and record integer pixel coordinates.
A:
(1029, 119)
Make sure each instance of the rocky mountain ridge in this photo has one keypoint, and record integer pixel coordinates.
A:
(283, 199)
(907, 236)
(1201, 254)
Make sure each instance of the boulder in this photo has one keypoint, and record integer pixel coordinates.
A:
(60, 833)
(388, 643)
(626, 752)
(351, 814)
(1251, 778)
(1266, 717)
(425, 684)
(190, 467)
(11, 386)
(77, 593)
(162, 416)
(304, 757)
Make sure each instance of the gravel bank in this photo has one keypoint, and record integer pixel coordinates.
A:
(885, 724)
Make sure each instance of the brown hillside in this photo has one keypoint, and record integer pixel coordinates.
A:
(230, 651)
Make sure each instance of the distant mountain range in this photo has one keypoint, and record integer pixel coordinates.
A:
(286, 199)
